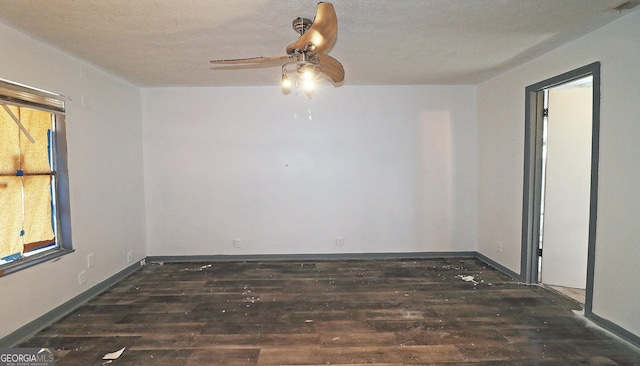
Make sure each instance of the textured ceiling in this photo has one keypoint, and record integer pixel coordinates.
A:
(398, 42)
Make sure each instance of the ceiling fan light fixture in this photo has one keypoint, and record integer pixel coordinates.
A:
(308, 85)
(303, 74)
(308, 69)
(307, 75)
(286, 82)
(309, 88)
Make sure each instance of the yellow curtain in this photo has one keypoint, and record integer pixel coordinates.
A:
(35, 154)
(37, 209)
(10, 216)
(25, 201)
(9, 142)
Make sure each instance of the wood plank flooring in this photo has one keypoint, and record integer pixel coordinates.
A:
(383, 312)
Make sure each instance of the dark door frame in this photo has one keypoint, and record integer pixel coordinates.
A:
(532, 189)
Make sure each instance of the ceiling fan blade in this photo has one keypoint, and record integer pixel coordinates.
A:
(331, 67)
(250, 60)
(322, 33)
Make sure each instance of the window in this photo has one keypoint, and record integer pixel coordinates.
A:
(34, 204)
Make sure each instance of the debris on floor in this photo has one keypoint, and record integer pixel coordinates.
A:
(201, 268)
(114, 355)
(468, 279)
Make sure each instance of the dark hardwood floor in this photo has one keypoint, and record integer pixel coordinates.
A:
(384, 312)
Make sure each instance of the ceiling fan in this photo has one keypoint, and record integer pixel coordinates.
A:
(306, 59)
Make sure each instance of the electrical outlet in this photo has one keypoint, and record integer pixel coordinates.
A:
(500, 248)
(339, 241)
(236, 243)
(82, 278)
(129, 257)
(91, 260)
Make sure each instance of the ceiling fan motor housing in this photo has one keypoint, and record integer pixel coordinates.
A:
(301, 25)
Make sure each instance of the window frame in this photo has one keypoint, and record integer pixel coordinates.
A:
(24, 96)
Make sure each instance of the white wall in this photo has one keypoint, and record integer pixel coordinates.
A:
(105, 177)
(389, 169)
(500, 162)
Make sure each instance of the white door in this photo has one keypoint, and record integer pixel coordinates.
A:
(567, 188)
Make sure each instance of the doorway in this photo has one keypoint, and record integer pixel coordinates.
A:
(560, 183)
(566, 169)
